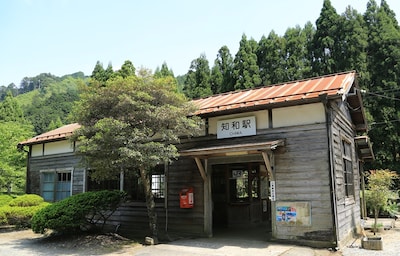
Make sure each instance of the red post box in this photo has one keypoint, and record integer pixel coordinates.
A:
(186, 198)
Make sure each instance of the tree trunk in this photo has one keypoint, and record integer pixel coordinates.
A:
(151, 212)
(9, 188)
(376, 215)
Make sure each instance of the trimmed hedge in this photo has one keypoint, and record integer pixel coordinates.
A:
(5, 199)
(19, 211)
(78, 212)
(26, 200)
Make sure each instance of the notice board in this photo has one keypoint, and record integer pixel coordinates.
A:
(293, 213)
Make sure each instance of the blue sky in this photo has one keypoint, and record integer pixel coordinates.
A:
(66, 36)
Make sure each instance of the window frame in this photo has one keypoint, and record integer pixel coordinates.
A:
(348, 168)
(57, 194)
(249, 177)
(132, 184)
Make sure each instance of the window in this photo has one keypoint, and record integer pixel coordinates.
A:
(240, 185)
(95, 185)
(157, 185)
(244, 184)
(56, 184)
(348, 168)
(132, 184)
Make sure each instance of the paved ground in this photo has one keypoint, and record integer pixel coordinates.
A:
(24, 243)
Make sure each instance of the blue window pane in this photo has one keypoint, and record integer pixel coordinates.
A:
(48, 196)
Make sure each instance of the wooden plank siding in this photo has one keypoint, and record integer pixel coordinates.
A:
(348, 208)
(59, 161)
(132, 219)
(302, 174)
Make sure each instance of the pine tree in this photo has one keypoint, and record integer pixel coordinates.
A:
(98, 73)
(352, 44)
(127, 69)
(221, 73)
(164, 71)
(197, 82)
(383, 91)
(297, 63)
(325, 41)
(10, 110)
(271, 59)
(246, 72)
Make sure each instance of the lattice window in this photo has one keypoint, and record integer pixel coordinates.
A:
(348, 168)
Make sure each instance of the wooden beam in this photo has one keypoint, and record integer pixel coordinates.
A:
(201, 168)
(268, 164)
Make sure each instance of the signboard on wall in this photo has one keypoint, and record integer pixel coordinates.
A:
(236, 127)
(293, 213)
(272, 188)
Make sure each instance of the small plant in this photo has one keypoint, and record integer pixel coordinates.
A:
(392, 208)
(379, 183)
(378, 225)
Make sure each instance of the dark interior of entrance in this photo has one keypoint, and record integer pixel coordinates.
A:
(240, 196)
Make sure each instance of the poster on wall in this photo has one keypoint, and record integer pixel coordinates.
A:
(293, 213)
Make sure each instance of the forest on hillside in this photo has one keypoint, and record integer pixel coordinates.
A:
(368, 43)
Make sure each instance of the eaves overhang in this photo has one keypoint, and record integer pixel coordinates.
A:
(364, 148)
(231, 150)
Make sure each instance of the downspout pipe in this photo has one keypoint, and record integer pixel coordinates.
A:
(328, 118)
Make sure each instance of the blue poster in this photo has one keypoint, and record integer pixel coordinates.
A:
(286, 214)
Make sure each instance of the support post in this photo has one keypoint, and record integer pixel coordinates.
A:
(268, 164)
(201, 169)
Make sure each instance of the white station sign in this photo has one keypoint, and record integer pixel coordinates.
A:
(237, 127)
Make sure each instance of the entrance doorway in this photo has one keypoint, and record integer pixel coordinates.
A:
(240, 197)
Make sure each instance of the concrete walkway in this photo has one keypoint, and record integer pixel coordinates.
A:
(221, 246)
(241, 245)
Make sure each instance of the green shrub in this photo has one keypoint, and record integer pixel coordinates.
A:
(5, 199)
(3, 217)
(20, 216)
(78, 212)
(26, 200)
(19, 211)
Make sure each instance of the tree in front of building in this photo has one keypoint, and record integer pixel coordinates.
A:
(132, 125)
(379, 190)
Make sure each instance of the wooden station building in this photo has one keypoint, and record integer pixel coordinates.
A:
(285, 159)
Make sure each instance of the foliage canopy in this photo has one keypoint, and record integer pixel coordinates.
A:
(132, 123)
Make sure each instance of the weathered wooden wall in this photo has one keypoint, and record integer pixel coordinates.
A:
(132, 218)
(348, 208)
(302, 174)
(52, 162)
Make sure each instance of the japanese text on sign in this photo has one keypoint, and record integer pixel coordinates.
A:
(238, 127)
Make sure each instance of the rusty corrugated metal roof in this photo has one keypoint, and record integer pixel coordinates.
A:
(332, 85)
(57, 134)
